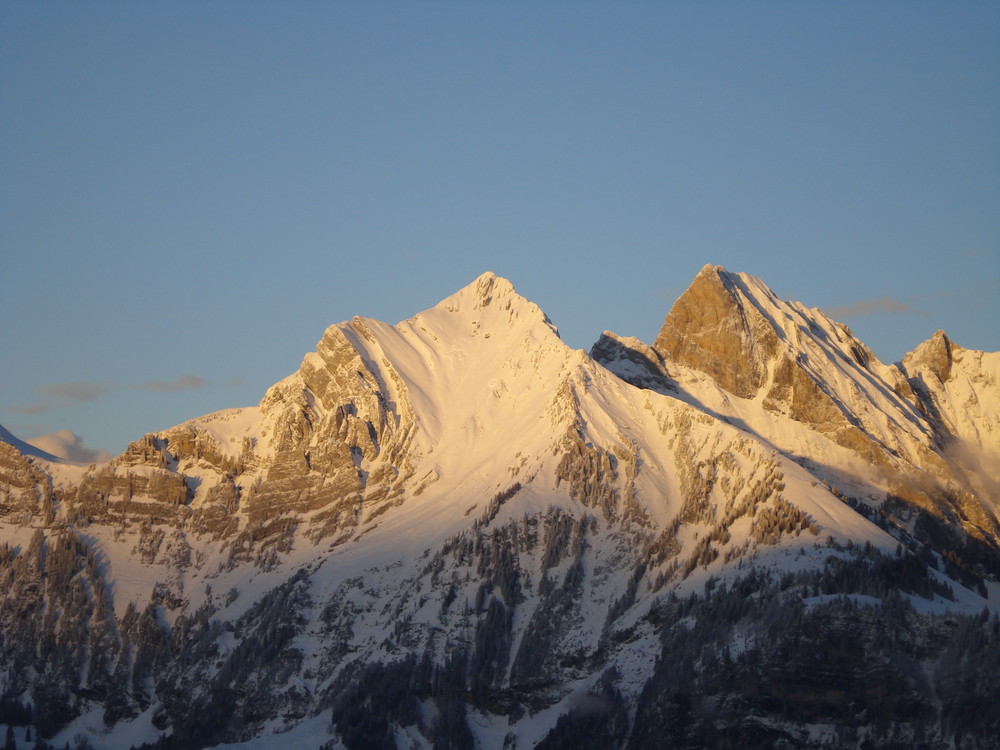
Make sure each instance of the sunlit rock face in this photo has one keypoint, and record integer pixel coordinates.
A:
(732, 328)
(921, 423)
(710, 328)
(955, 388)
(25, 489)
(934, 356)
(456, 531)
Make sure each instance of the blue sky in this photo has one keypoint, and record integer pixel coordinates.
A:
(191, 192)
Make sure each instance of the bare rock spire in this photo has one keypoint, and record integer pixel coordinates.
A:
(712, 329)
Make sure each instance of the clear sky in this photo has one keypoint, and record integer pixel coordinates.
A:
(191, 192)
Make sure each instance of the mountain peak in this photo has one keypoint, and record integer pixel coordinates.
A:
(711, 326)
(710, 269)
(489, 302)
(463, 507)
(486, 290)
(934, 354)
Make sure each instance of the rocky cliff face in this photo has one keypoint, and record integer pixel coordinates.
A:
(458, 532)
(714, 325)
(954, 389)
(916, 428)
(794, 361)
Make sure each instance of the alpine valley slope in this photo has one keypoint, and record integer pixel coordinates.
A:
(457, 532)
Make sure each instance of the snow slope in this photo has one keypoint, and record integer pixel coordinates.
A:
(462, 504)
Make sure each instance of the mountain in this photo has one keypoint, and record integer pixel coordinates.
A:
(810, 388)
(27, 449)
(458, 532)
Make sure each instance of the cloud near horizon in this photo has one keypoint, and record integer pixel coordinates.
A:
(879, 306)
(986, 291)
(67, 445)
(30, 409)
(59, 394)
(180, 383)
(79, 391)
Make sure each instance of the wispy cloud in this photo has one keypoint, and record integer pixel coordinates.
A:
(880, 306)
(986, 290)
(39, 408)
(80, 391)
(62, 394)
(180, 383)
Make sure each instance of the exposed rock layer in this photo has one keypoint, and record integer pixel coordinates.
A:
(457, 532)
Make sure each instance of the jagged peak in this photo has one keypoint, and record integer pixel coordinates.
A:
(611, 347)
(713, 276)
(716, 328)
(731, 280)
(488, 289)
(718, 292)
(610, 337)
(355, 352)
(935, 354)
(940, 339)
(487, 301)
(711, 269)
(632, 360)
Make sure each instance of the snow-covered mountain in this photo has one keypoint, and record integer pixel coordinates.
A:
(459, 532)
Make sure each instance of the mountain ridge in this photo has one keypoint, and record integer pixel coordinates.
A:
(464, 504)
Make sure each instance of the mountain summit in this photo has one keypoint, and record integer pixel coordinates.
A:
(457, 531)
(716, 324)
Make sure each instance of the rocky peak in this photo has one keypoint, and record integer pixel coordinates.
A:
(489, 286)
(934, 355)
(633, 361)
(714, 328)
(488, 289)
(796, 361)
(487, 306)
(468, 528)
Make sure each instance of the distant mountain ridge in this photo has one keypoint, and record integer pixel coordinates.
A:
(459, 532)
(6, 436)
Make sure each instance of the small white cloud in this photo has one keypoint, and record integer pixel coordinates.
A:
(67, 445)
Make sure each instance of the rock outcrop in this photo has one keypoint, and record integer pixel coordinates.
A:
(711, 327)
(458, 532)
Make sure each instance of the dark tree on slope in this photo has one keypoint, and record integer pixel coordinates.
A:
(57, 625)
(14, 712)
(380, 696)
(861, 668)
